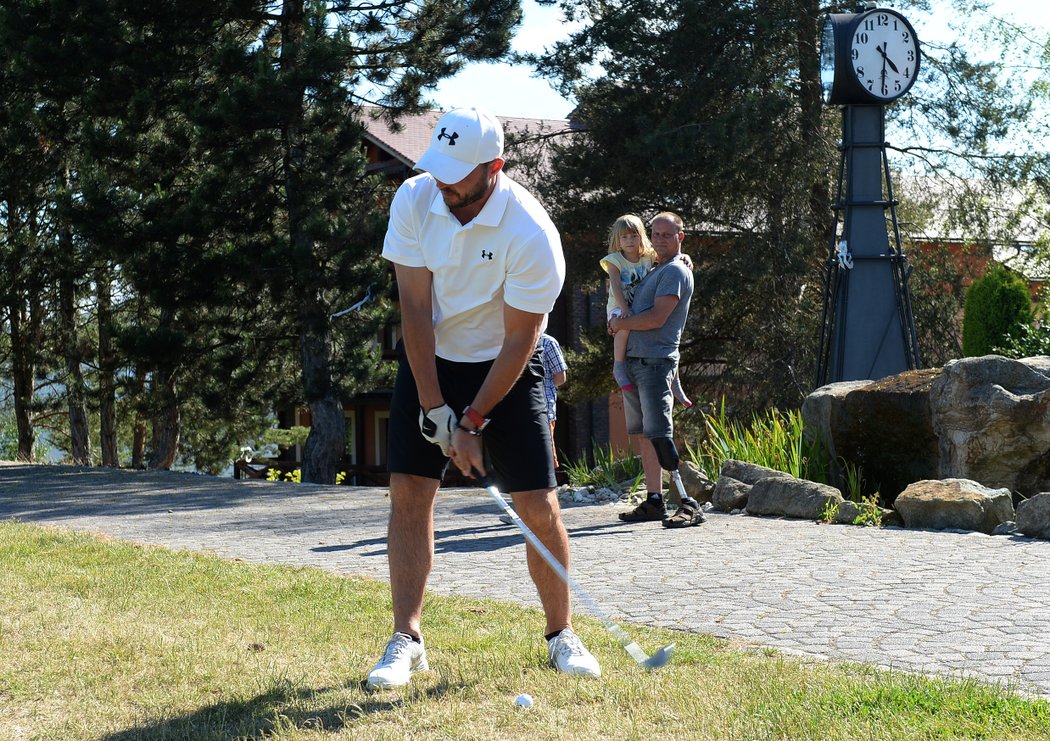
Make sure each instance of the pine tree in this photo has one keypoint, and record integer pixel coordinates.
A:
(712, 110)
(320, 54)
(195, 170)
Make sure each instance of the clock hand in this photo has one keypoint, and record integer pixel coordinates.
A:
(886, 60)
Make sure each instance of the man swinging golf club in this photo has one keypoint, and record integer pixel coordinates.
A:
(479, 265)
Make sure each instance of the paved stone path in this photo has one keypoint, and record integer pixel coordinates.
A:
(945, 603)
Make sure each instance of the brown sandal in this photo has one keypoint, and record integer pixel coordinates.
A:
(687, 515)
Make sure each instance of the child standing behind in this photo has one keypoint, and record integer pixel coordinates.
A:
(630, 258)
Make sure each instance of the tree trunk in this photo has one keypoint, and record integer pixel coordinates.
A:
(326, 442)
(76, 393)
(167, 419)
(24, 316)
(107, 363)
(165, 415)
(25, 333)
(138, 442)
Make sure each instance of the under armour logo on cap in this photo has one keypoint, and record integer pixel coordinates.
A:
(462, 140)
(486, 255)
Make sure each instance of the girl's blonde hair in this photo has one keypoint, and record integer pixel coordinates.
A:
(630, 223)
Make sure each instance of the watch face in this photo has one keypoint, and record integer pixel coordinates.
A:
(827, 57)
(884, 53)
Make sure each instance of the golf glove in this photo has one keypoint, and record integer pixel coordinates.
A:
(437, 425)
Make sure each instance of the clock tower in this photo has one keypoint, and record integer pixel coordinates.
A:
(868, 60)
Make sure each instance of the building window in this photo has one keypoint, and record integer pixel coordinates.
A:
(382, 426)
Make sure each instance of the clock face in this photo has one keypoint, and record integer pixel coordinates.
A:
(884, 54)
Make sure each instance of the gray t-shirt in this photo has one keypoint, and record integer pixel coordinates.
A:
(671, 278)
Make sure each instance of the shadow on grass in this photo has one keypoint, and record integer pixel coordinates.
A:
(269, 714)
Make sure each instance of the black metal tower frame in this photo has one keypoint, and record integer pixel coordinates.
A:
(840, 264)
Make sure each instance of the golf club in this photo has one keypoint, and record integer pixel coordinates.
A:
(655, 661)
(355, 307)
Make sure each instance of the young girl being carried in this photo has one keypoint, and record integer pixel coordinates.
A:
(630, 258)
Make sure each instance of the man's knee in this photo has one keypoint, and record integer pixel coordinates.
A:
(412, 491)
(666, 453)
(538, 509)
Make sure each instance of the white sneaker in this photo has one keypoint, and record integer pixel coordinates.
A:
(402, 658)
(568, 655)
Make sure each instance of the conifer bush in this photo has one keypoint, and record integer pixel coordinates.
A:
(997, 306)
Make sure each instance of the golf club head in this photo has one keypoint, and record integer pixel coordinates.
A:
(660, 658)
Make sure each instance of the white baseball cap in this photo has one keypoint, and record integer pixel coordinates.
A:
(462, 140)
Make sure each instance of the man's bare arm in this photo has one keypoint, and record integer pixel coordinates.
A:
(653, 318)
(414, 287)
(521, 331)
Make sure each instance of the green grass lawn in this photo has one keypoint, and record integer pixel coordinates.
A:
(101, 639)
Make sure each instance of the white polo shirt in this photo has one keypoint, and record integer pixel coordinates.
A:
(510, 252)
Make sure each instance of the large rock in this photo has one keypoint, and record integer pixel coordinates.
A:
(990, 415)
(821, 406)
(730, 494)
(749, 473)
(786, 496)
(696, 483)
(735, 480)
(851, 513)
(955, 504)
(985, 419)
(883, 426)
(1033, 516)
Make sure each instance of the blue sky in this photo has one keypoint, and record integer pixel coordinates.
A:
(512, 90)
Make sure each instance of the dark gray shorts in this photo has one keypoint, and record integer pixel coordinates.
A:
(516, 443)
(647, 408)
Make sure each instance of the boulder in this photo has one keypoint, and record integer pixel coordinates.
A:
(984, 419)
(749, 473)
(954, 504)
(696, 483)
(849, 512)
(730, 494)
(1007, 528)
(1033, 516)
(821, 406)
(991, 416)
(892, 518)
(786, 496)
(883, 426)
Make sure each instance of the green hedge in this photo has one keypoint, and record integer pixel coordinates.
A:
(997, 306)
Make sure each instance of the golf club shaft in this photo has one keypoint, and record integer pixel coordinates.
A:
(629, 645)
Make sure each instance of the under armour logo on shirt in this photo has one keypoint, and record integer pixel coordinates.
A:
(486, 255)
(451, 137)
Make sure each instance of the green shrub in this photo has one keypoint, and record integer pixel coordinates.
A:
(1028, 342)
(611, 468)
(774, 440)
(997, 306)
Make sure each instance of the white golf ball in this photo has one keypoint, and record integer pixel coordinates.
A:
(524, 700)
